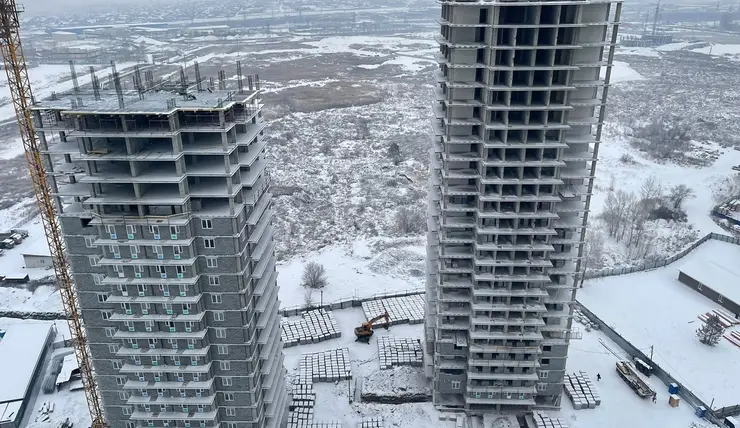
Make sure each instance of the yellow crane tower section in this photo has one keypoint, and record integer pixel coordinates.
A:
(22, 97)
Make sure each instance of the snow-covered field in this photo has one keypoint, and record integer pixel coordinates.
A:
(654, 309)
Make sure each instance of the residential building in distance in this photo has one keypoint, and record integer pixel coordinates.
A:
(166, 213)
(520, 104)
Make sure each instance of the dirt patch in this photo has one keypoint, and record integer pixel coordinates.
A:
(398, 385)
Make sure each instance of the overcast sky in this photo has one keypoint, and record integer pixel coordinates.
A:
(49, 7)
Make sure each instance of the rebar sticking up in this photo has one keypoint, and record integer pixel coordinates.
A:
(211, 83)
(119, 91)
(250, 83)
(198, 83)
(95, 84)
(239, 82)
(183, 79)
(72, 70)
(221, 80)
(257, 82)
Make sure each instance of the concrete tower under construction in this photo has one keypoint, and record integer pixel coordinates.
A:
(521, 95)
(165, 207)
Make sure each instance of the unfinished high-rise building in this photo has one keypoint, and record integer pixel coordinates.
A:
(520, 104)
(165, 207)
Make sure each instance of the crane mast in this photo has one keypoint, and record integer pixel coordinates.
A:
(22, 98)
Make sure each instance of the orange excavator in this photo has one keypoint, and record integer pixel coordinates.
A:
(365, 331)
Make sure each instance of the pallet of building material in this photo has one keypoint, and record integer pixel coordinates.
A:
(730, 338)
(325, 366)
(723, 323)
(726, 317)
(326, 425)
(370, 423)
(541, 420)
(313, 327)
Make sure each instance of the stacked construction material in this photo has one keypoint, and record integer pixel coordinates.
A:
(724, 321)
(371, 423)
(301, 406)
(399, 351)
(581, 391)
(401, 310)
(313, 327)
(301, 409)
(541, 420)
(326, 366)
(733, 337)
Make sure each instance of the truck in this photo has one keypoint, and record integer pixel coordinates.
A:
(12, 238)
(630, 376)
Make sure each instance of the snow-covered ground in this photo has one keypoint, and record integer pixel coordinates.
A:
(654, 309)
(356, 271)
(620, 406)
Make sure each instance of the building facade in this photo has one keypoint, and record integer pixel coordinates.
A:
(518, 117)
(166, 214)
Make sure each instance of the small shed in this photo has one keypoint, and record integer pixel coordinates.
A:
(37, 260)
(718, 280)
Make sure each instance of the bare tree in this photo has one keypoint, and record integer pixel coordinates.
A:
(593, 252)
(728, 188)
(314, 275)
(679, 194)
(711, 331)
(651, 193)
(308, 300)
(363, 131)
(409, 221)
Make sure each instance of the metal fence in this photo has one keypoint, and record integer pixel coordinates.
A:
(659, 372)
(349, 302)
(660, 263)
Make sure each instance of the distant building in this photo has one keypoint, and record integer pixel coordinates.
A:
(23, 347)
(37, 260)
(63, 36)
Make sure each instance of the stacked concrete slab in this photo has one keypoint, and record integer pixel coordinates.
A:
(401, 310)
(313, 327)
(581, 391)
(325, 366)
(371, 423)
(399, 351)
(301, 406)
(541, 420)
(302, 409)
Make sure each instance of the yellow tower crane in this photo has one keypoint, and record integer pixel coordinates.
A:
(22, 97)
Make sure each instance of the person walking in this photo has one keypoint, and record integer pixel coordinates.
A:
(598, 377)
(655, 397)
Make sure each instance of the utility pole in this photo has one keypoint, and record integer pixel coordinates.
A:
(651, 352)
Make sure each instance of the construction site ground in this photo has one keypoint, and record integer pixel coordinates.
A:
(620, 406)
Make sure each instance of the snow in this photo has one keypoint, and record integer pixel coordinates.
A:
(411, 64)
(622, 72)
(719, 49)
(20, 352)
(673, 46)
(639, 51)
(11, 262)
(716, 268)
(396, 381)
(654, 308)
(620, 406)
(629, 177)
(148, 41)
(349, 275)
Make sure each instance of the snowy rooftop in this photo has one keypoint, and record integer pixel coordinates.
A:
(20, 351)
(717, 268)
(154, 102)
(644, 306)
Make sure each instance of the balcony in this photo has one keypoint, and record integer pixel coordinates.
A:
(164, 352)
(164, 368)
(136, 385)
(198, 335)
(174, 416)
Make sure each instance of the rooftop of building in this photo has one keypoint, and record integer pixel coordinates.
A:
(21, 348)
(161, 102)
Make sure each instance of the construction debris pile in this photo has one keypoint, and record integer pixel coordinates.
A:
(313, 327)
(583, 319)
(401, 310)
(581, 391)
(399, 351)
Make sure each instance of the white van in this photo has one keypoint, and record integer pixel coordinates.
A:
(731, 422)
